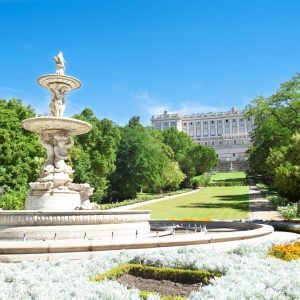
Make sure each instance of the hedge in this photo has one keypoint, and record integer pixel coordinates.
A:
(158, 273)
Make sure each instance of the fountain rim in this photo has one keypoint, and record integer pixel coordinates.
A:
(71, 81)
(76, 127)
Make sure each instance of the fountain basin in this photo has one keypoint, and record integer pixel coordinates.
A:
(80, 224)
(48, 123)
(47, 80)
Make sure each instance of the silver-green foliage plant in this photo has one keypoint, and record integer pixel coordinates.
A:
(249, 273)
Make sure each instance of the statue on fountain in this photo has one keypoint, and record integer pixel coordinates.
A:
(60, 63)
(58, 104)
(55, 188)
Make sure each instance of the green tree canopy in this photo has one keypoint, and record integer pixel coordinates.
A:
(284, 167)
(94, 153)
(277, 118)
(21, 154)
(193, 159)
(143, 162)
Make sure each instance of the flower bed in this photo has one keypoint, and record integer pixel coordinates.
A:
(160, 280)
(286, 252)
(249, 273)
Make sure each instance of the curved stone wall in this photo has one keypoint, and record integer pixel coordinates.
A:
(79, 217)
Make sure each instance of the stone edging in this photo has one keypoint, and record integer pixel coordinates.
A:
(80, 217)
(61, 246)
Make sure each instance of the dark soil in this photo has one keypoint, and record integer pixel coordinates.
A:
(163, 287)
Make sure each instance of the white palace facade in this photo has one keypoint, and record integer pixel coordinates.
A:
(229, 133)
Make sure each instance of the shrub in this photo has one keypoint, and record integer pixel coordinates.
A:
(282, 204)
(289, 211)
(143, 198)
(13, 200)
(196, 183)
(175, 275)
(150, 272)
(277, 200)
(154, 296)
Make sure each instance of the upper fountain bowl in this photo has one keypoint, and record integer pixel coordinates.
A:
(47, 80)
(49, 123)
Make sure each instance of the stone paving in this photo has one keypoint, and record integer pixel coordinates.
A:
(261, 208)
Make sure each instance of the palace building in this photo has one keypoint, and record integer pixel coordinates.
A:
(229, 133)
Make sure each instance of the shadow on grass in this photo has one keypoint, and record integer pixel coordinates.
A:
(231, 180)
(241, 197)
(241, 206)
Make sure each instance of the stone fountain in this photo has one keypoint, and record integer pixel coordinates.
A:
(55, 190)
(56, 207)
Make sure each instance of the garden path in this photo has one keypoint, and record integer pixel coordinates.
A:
(260, 207)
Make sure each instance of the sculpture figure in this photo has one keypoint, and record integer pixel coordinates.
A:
(57, 103)
(46, 140)
(62, 143)
(60, 63)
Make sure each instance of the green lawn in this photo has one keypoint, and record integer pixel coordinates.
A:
(209, 202)
(233, 177)
(228, 176)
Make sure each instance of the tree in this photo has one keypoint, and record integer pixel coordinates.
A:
(277, 118)
(143, 162)
(193, 159)
(21, 154)
(94, 153)
(204, 158)
(284, 167)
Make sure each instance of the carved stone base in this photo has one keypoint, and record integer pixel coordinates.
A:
(39, 225)
(55, 199)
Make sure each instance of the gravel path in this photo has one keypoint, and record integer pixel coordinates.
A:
(261, 208)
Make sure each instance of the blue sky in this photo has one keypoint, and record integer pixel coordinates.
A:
(142, 57)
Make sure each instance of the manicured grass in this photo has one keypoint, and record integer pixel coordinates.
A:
(209, 202)
(228, 176)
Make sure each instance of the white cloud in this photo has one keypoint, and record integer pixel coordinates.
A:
(155, 106)
(192, 106)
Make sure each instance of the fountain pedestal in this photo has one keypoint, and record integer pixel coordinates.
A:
(54, 189)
